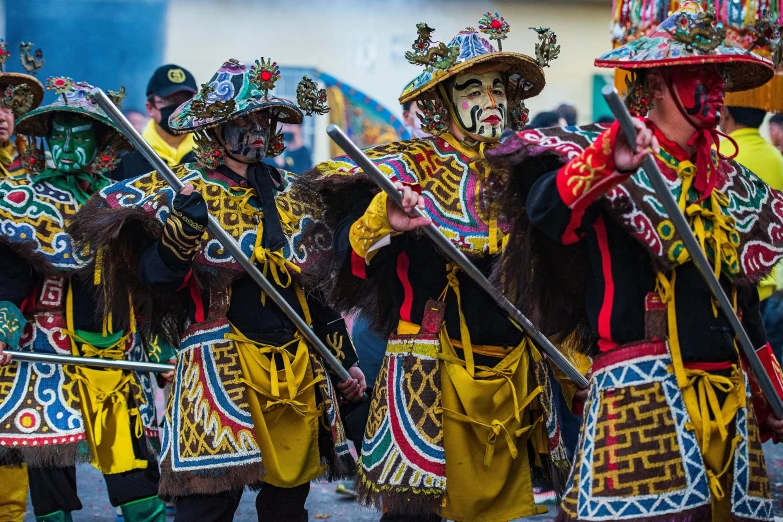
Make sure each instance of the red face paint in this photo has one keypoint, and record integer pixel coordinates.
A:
(701, 91)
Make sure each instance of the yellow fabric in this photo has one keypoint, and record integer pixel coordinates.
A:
(581, 362)
(373, 226)
(283, 407)
(13, 499)
(171, 155)
(486, 425)
(711, 421)
(105, 409)
(765, 161)
(7, 155)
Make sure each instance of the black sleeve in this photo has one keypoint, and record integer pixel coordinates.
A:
(16, 277)
(330, 328)
(551, 215)
(748, 303)
(342, 244)
(157, 273)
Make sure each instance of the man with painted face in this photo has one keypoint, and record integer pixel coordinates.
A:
(461, 409)
(169, 87)
(251, 404)
(54, 416)
(674, 421)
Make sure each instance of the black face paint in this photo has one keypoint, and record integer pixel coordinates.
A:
(246, 143)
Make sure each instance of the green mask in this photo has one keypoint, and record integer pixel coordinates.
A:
(73, 144)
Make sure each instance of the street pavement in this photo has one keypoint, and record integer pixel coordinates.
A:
(324, 504)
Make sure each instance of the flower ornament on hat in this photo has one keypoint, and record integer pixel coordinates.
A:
(75, 99)
(469, 51)
(236, 91)
(20, 93)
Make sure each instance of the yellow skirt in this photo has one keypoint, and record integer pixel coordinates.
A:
(486, 426)
(283, 407)
(13, 499)
(107, 419)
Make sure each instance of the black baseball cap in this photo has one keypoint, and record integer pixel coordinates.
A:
(170, 79)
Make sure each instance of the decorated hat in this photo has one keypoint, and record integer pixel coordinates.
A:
(21, 92)
(469, 49)
(692, 36)
(75, 98)
(236, 90)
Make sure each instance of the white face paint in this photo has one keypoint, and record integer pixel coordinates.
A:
(479, 101)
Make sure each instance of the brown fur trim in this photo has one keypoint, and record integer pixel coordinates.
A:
(402, 501)
(57, 456)
(207, 482)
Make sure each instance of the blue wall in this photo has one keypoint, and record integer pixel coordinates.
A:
(107, 43)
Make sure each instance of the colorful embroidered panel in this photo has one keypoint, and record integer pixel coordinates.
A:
(225, 200)
(450, 184)
(632, 404)
(756, 209)
(34, 216)
(403, 452)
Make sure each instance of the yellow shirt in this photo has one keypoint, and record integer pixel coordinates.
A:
(171, 155)
(766, 162)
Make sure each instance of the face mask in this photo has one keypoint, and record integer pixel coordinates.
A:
(246, 138)
(701, 91)
(288, 137)
(165, 114)
(73, 144)
(479, 101)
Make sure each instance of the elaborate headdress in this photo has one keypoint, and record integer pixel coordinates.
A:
(20, 92)
(742, 36)
(236, 90)
(467, 50)
(75, 98)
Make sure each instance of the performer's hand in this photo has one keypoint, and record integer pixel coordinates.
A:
(169, 376)
(403, 219)
(187, 189)
(5, 358)
(353, 389)
(776, 426)
(581, 393)
(625, 160)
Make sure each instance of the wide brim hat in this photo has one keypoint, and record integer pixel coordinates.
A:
(234, 91)
(13, 79)
(74, 98)
(672, 44)
(476, 51)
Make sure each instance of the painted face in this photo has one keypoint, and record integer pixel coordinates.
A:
(6, 125)
(480, 103)
(73, 143)
(701, 91)
(246, 138)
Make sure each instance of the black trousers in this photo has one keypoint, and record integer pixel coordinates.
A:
(54, 489)
(273, 504)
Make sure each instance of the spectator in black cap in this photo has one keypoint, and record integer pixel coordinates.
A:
(169, 87)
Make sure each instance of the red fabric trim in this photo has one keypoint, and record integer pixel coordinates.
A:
(629, 352)
(403, 263)
(358, 265)
(591, 174)
(195, 295)
(570, 236)
(186, 280)
(607, 307)
(28, 305)
(708, 366)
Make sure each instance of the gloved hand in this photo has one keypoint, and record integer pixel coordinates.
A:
(184, 227)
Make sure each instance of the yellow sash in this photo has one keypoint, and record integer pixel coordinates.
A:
(105, 410)
(283, 407)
